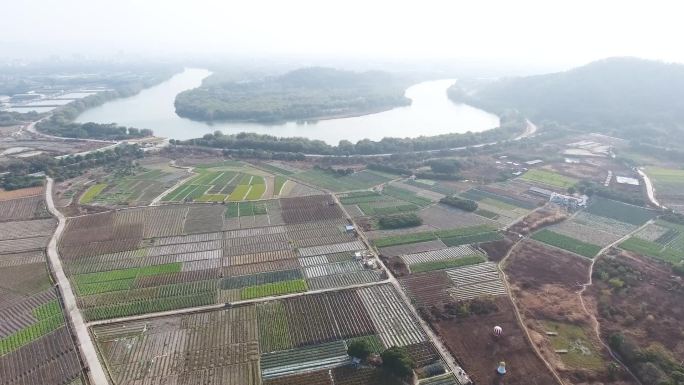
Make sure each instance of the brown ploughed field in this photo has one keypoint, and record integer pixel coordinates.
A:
(472, 342)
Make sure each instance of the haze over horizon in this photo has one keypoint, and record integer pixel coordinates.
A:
(528, 32)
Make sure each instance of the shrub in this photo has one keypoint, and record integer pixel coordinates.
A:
(397, 361)
(400, 221)
(463, 204)
(359, 349)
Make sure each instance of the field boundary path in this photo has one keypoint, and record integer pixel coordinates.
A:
(172, 163)
(96, 373)
(517, 312)
(595, 323)
(455, 369)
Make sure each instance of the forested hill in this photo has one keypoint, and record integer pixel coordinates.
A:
(309, 93)
(623, 96)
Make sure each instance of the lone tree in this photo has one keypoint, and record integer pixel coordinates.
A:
(359, 349)
(397, 361)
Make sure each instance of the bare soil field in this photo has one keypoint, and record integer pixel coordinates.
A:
(21, 193)
(472, 342)
(444, 217)
(533, 264)
(544, 283)
(497, 250)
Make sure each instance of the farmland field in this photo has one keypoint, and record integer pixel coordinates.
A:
(153, 259)
(549, 178)
(669, 185)
(226, 182)
(137, 189)
(661, 240)
(357, 181)
(92, 192)
(36, 347)
(452, 237)
(619, 211)
(285, 341)
(567, 243)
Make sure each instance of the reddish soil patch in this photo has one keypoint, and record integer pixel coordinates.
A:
(21, 193)
(648, 309)
(532, 264)
(472, 342)
(543, 217)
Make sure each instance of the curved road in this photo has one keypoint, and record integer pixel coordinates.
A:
(87, 349)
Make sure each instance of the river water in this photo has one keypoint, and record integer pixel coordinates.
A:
(430, 113)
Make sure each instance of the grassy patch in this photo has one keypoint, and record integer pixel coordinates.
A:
(278, 184)
(92, 192)
(239, 193)
(480, 233)
(449, 263)
(256, 192)
(549, 178)
(567, 243)
(581, 353)
(652, 249)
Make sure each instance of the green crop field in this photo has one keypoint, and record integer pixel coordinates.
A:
(549, 178)
(48, 317)
(218, 186)
(619, 211)
(449, 263)
(92, 192)
(669, 247)
(277, 288)
(470, 239)
(115, 280)
(278, 184)
(564, 242)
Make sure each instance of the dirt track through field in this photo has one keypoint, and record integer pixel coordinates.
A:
(87, 349)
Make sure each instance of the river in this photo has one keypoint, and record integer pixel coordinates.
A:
(430, 113)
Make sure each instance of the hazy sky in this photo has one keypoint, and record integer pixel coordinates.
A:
(556, 32)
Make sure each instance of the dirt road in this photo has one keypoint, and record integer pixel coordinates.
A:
(87, 349)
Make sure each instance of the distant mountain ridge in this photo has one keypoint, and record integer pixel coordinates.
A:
(614, 95)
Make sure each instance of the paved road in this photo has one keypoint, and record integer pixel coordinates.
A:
(650, 190)
(87, 349)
